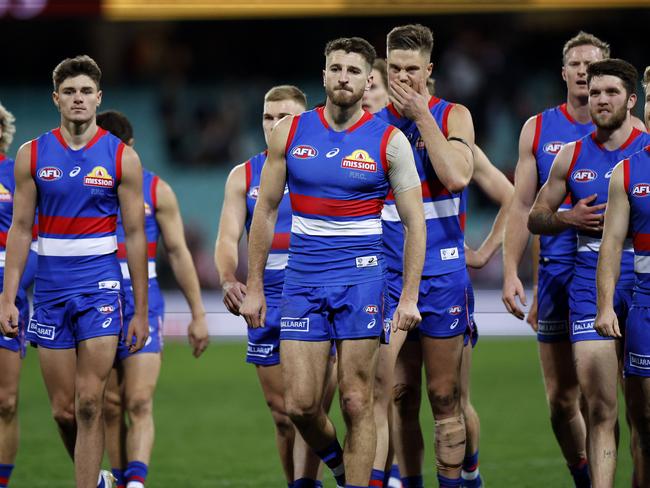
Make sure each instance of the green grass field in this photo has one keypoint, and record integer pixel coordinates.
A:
(213, 428)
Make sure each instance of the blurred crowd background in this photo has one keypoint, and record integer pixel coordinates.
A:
(193, 88)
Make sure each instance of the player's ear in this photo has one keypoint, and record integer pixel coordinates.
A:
(563, 73)
(429, 70)
(55, 99)
(631, 101)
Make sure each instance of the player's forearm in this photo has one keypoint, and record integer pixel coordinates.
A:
(607, 273)
(494, 239)
(543, 221)
(515, 239)
(226, 259)
(535, 249)
(136, 258)
(451, 166)
(259, 244)
(415, 237)
(187, 279)
(18, 241)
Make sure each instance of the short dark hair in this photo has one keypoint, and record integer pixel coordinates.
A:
(380, 65)
(117, 124)
(356, 45)
(281, 93)
(79, 65)
(583, 38)
(615, 67)
(411, 37)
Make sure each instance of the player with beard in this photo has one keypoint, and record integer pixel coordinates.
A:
(582, 169)
(339, 163)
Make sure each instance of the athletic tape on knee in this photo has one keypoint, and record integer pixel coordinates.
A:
(450, 443)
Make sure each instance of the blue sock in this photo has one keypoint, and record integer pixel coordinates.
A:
(332, 456)
(120, 481)
(305, 483)
(470, 463)
(319, 484)
(394, 471)
(471, 477)
(444, 482)
(413, 482)
(376, 478)
(387, 476)
(5, 474)
(580, 473)
(136, 472)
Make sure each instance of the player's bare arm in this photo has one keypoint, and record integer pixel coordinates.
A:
(407, 189)
(516, 232)
(129, 194)
(617, 218)
(231, 228)
(544, 217)
(535, 249)
(272, 184)
(169, 220)
(18, 239)
(496, 186)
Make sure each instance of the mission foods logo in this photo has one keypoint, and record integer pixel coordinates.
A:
(641, 190)
(584, 175)
(50, 173)
(552, 148)
(304, 152)
(99, 176)
(359, 160)
(5, 195)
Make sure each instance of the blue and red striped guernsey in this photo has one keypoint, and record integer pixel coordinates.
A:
(77, 214)
(279, 255)
(151, 229)
(337, 182)
(636, 172)
(553, 129)
(589, 173)
(444, 211)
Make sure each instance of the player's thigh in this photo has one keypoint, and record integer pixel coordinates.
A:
(597, 365)
(58, 367)
(558, 368)
(304, 371)
(95, 358)
(10, 363)
(387, 357)
(442, 358)
(408, 367)
(270, 378)
(141, 372)
(465, 372)
(357, 361)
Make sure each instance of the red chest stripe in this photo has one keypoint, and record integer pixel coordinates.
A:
(335, 208)
(76, 225)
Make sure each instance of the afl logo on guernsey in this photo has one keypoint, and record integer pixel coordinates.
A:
(5, 195)
(50, 173)
(371, 309)
(359, 160)
(99, 177)
(304, 152)
(641, 190)
(584, 175)
(552, 148)
(455, 310)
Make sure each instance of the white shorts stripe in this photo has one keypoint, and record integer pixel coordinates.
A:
(641, 264)
(432, 210)
(334, 228)
(151, 268)
(592, 244)
(91, 246)
(277, 261)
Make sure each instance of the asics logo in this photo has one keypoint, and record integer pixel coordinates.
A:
(107, 322)
(332, 153)
(454, 324)
(75, 171)
(372, 323)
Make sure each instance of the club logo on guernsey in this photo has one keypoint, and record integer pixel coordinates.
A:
(641, 190)
(5, 195)
(359, 160)
(371, 309)
(552, 148)
(50, 173)
(147, 210)
(99, 176)
(296, 324)
(419, 144)
(304, 152)
(584, 175)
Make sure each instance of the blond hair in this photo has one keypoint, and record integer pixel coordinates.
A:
(281, 93)
(646, 78)
(8, 128)
(583, 38)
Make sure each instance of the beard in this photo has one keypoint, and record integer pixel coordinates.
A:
(614, 121)
(343, 98)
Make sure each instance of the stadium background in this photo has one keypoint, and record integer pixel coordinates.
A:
(191, 77)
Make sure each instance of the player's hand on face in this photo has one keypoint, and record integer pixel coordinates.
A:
(512, 288)
(412, 102)
(233, 295)
(8, 318)
(253, 309)
(531, 318)
(606, 323)
(474, 259)
(406, 316)
(139, 330)
(197, 335)
(586, 217)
